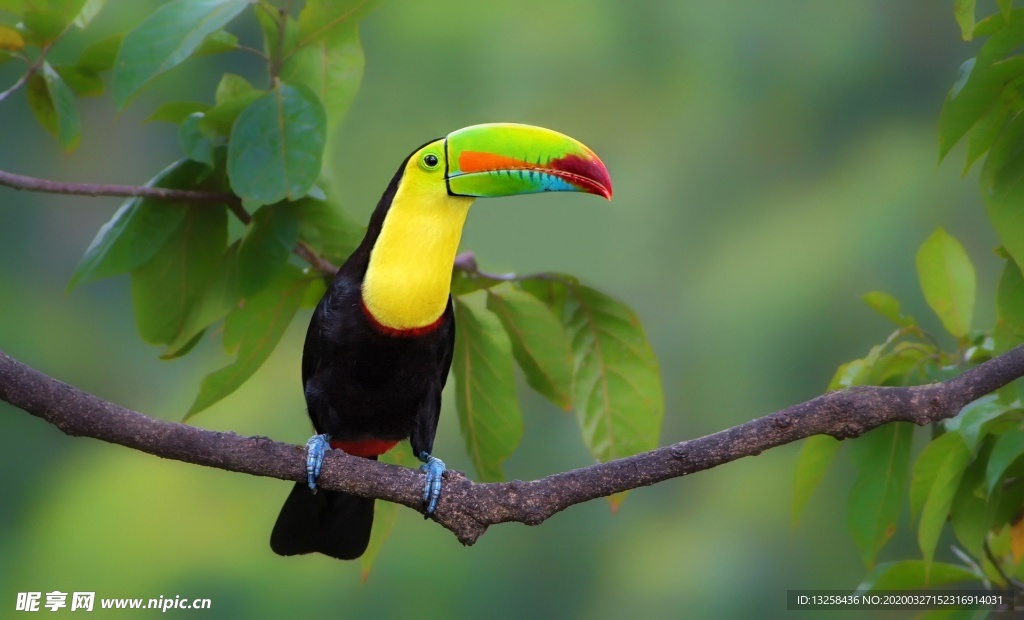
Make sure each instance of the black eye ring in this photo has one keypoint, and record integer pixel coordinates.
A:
(430, 160)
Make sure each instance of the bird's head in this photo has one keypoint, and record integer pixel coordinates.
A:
(506, 159)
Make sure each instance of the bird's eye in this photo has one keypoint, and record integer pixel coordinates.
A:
(430, 161)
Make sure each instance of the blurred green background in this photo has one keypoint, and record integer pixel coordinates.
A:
(771, 161)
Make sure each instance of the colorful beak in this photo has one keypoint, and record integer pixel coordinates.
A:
(505, 159)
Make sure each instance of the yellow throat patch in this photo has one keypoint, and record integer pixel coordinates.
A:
(409, 276)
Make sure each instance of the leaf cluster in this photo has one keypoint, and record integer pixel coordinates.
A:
(225, 260)
(968, 481)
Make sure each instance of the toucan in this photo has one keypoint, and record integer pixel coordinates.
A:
(380, 342)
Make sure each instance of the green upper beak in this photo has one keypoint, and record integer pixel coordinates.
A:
(504, 159)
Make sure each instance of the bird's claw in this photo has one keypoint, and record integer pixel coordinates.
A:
(316, 448)
(433, 467)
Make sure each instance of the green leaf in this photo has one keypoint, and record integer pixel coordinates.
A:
(948, 281)
(166, 38)
(550, 288)
(165, 288)
(1002, 188)
(230, 87)
(47, 21)
(219, 297)
(882, 458)
(176, 111)
(328, 229)
(816, 455)
(83, 82)
(332, 67)
(936, 478)
(217, 42)
(964, 11)
(53, 105)
(915, 575)
(196, 145)
(539, 343)
(100, 55)
(138, 229)
(89, 11)
(327, 19)
(970, 515)
(888, 306)
(1009, 309)
(485, 391)
(1005, 8)
(464, 283)
(11, 39)
(219, 119)
(990, 125)
(616, 384)
(978, 89)
(253, 331)
(269, 242)
(269, 18)
(1007, 449)
(971, 422)
(277, 146)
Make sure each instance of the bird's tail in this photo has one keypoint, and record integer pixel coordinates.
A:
(327, 522)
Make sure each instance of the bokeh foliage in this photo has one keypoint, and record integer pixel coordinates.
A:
(968, 478)
(262, 150)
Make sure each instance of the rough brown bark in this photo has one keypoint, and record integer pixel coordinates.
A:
(467, 508)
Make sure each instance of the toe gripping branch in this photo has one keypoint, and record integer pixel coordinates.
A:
(316, 448)
(433, 467)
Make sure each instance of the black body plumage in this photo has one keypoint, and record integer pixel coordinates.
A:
(361, 383)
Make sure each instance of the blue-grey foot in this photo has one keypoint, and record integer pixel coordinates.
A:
(433, 467)
(316, 448)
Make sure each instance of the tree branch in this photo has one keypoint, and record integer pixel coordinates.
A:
(467, 508)
(35, 184)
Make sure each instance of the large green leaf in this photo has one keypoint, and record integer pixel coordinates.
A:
(253, 332)
(53, 104)
(485, 391)
(539, 342)
(327, 19)
(277, 145)
(139, 228)
(882, 458)
(936, 478)
(219, 297)
(166, 38)
(972, 421)
(977, 92)
(267, 244)
(816, 455)
(616, 384)
(332, 67)
(970, 514)
(1008, 448)
(948, 281)
(916, 575)
(551, 289)
(1010, 308)
(165, 287)
(44, 22)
